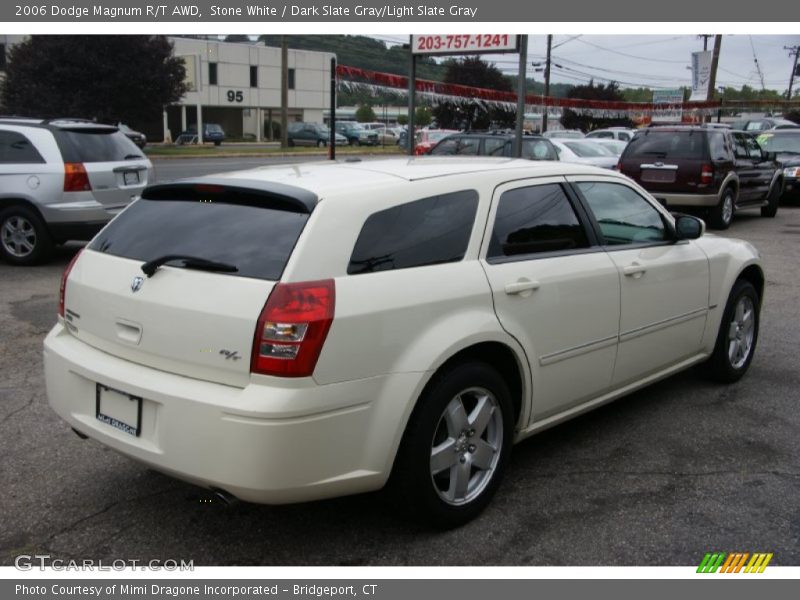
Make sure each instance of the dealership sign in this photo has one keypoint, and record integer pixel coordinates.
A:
(477, 43)
(701, 73)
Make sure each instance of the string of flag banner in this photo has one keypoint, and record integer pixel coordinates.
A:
(435, 92)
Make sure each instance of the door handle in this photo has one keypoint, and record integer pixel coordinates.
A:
(634, 270)
(520, 286)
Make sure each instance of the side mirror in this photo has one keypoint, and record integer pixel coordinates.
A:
(688, 227)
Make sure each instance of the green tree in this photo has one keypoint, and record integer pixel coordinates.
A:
(237, 38)
(365, 114)
(586, 122)
(474, 72)
(422, 116)
(402, 119)
(109, 78)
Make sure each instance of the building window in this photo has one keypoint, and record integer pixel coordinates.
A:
(291, 79)
(212, 73)
(253, 76)
(2, 57)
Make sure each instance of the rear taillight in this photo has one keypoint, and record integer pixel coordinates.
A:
(706, 174)
(63, 289)
(292, 328)
(75, 178)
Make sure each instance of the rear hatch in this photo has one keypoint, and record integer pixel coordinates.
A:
(666, 160)
(189, 317)
(117, 169)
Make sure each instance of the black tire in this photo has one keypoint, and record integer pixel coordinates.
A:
(721, 216)
(436, 496)
(24, 238)
(290, 143)
(773, 199)
(217, 143)
(738, 334)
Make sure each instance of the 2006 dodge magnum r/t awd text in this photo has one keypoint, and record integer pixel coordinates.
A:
(300, 332)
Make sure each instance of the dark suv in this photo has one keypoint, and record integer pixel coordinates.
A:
(491, 144)
(698, 167)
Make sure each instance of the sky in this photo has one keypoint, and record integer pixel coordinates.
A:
(655, 61)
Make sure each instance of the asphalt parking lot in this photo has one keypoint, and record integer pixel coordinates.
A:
(658, 478)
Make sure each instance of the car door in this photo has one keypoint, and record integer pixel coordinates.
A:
(747, 169)
(763, 169)
(554, 290)
(664, 284)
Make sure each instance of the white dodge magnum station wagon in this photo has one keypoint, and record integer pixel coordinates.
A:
(299, 332)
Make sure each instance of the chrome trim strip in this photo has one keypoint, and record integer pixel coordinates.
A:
(662, 167)
(645, 329)
(554, 357)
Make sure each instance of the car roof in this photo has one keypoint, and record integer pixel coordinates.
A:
(327, 179)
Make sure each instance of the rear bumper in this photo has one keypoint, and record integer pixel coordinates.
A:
(686, 199)
(288, 442)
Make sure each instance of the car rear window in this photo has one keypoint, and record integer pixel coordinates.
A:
(429, 231)
(256, 238)
(96, 145)
(668, 145)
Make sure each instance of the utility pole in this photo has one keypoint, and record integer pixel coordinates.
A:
(546, 82)
(705, 37)
(284, 91)
(523, 62)
(712, 79)
(792, 50)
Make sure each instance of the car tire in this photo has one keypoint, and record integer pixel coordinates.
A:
(773, 199)
(290, 143)
(738, 334)
(217, 143)
(24, 238)
(721, 216)
(456, 446)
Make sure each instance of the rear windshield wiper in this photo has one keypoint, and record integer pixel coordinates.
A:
(190, 262)
(133, 157)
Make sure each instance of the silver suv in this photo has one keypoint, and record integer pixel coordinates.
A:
(62, 179)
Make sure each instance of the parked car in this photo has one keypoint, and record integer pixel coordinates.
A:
(356, 134)
(765, 124)
(312, 134)
(785, 144)
(212, 132)
(583, 152)
(137, 137)
(321, 339)
(617, 147)
(571, 134)
(62, 179)
(623, 134)
(425, 139)
(695, 167)
(489, 144)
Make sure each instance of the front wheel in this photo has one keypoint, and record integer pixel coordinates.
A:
(456, 446)
(24, 239)
(738, 334)
(721, 215)
(773, 199)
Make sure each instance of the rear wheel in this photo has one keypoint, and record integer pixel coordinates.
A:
(738, 334)
(721, 215)
(456, 446)
(773, 199)
(24, 239)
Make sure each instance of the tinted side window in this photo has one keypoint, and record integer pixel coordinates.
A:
(740, 145)
(717, 146)
(753, 149)
(424, 232)
(535, 219)
(493, 147)
(538, 150)
(16, 148)
(623, 215)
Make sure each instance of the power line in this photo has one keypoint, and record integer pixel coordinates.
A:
(630, 55)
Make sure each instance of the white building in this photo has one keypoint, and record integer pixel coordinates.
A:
(238, 86)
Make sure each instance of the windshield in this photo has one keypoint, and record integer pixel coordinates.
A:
(585, 150)
(667, 144)
(780, 143)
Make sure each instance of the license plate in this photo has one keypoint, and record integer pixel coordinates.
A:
(131, 177)
(119, 410)
(658, 175)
